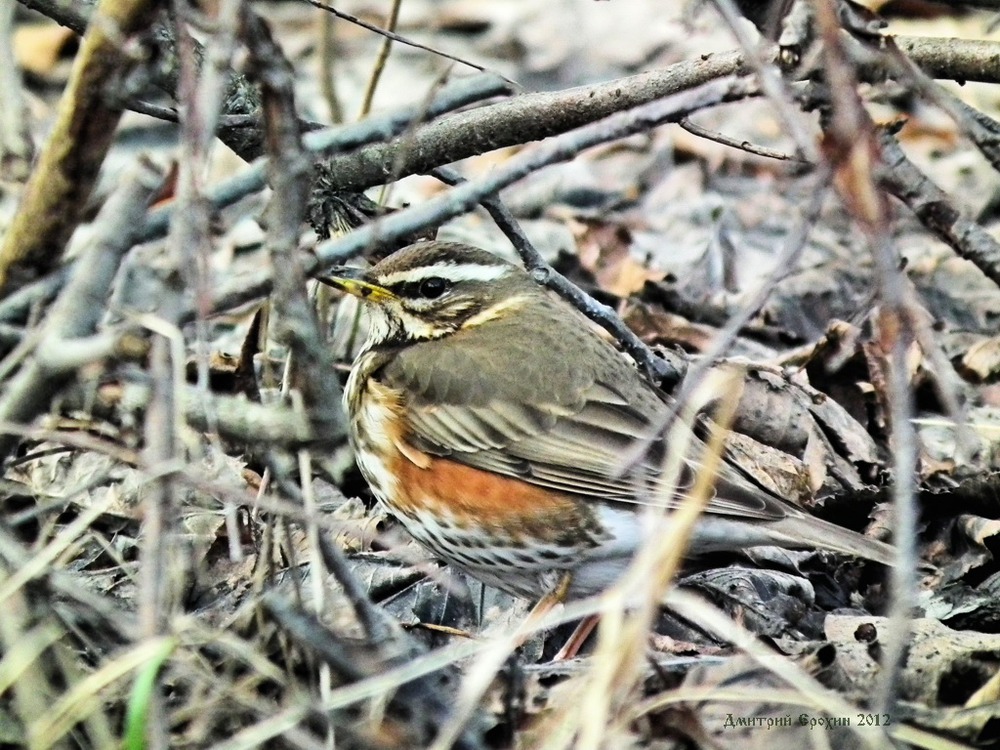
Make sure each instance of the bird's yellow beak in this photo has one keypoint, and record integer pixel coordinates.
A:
(349, 279)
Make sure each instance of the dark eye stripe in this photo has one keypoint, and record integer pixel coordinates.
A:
(419, 289)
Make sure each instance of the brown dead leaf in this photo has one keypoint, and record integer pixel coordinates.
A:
(811, 442)
(604, 250)
(772, 410)
(838, 345)
(657, 327)
(815, 459)
(776, 470)
(969, 453)
(356, 528)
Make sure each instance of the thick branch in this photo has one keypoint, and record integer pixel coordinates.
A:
(288, 172)
(955, 59)
(936, 211)
(526, 118)
(536, 116)
(58, 189)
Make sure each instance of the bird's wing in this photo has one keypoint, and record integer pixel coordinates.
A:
(574, 442)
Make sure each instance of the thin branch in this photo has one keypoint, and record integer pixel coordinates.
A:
(233, 417)
(725, 140)
(81, 304)
(159, 513)
(852, 146)
(772, 84)
(936, 210)
(328, 66)
(383, 56)
(981, 129)
(16, 148)
(528, 117)
(396, 37)
(953, 59)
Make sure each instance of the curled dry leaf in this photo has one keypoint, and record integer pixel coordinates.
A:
(978, 529)
(604, 250)
(960, 545)
(657, 327)
(804, 441)
(981, 362)
(951, 455)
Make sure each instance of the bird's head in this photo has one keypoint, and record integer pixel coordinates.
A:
(433, 289)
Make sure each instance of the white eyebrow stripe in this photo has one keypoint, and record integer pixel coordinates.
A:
(451, 272)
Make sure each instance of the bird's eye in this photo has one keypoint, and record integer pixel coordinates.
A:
(433, 287)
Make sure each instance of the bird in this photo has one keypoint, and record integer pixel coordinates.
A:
(491, 420)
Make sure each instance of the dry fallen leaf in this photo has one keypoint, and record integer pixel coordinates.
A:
(605, 251)
(981, 362)
(39, 47)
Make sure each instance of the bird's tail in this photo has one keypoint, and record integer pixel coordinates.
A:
(804, 531)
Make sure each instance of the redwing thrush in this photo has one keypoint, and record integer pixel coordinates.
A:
(492, 421)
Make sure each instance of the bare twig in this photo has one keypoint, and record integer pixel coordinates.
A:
(853, 149)
(983, 130)
(935, 209)
(15, 307)
(202, 90)
(771, 82)
(953, 59)
(79, 307)
(240, 97)
(345, 138)
(742, 145)
(388, 34)
(233, 417)
(328, 66)
(383, 56)
(524, 118)
(158, 520)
